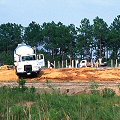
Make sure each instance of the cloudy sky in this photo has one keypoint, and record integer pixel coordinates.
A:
(66, 11)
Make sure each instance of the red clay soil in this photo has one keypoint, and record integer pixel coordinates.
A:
(67, 74)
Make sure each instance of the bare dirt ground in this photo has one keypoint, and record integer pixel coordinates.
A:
(67, 80)
(66, 74)
(81, 74)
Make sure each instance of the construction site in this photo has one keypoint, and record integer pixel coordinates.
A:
(67, 80)
(65, 74)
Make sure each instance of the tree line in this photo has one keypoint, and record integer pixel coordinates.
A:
(60, 42)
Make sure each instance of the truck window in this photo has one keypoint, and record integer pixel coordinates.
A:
(28, 58)
(39, 57)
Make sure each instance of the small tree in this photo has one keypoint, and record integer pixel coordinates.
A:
(21, 83)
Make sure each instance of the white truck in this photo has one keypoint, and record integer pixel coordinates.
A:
(85, 63)
(26, 61)
(99, 63)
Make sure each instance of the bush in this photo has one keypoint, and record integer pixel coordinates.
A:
(21, 83)
(32, 89)
(94, 88)
(108, 92)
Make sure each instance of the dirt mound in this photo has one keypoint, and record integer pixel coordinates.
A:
(7, 75)
(81, 74)
(67, 74)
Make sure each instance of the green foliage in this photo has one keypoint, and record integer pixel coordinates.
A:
(10, 36)
(108, 93)
(33, 35)
(94, 88)
(85, 41)
(32, 89)
(60, 42)
(7, 57)
(94, 85)
(55, 106)
(17, 112)
(100, 31)
(21, 83)
(22, 86)
(114, 37)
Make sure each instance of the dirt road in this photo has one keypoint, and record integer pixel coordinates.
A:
(70, 88)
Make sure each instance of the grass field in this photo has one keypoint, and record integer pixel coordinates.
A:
(22, 103)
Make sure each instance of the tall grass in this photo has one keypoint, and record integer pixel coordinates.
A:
(18, 105)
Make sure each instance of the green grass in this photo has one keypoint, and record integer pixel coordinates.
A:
(16, 104)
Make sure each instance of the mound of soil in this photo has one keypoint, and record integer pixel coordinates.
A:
(81, 74)
(66, 74)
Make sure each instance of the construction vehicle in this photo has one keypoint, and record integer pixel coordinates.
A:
(99, 63)
(85, 63)
(26, 61)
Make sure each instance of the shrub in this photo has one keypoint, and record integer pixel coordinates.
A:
(94, 87)
(32, 89)
(21, 83)
(108, 92)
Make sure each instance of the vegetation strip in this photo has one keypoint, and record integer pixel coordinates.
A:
(23, 103)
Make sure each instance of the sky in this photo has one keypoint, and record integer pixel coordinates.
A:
(66, 11)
